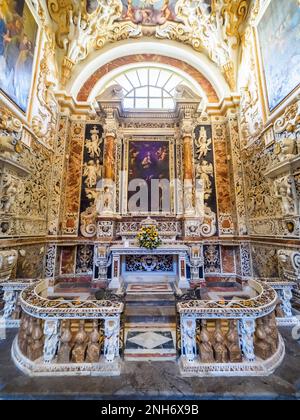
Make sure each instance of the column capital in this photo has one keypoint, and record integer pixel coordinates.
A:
(187, 129)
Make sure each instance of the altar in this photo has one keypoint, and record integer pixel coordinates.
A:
(166, 264)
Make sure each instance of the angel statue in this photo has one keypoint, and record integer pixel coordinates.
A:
(202, 144)
(92, 172)
(205, 171)
(93, 145)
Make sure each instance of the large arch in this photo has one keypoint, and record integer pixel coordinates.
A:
(192, 61)
(94, 84)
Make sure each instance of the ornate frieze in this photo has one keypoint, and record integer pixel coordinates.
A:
(50, 262)
(212, 259)
(148, 264)
(246, 261)
(84, 259)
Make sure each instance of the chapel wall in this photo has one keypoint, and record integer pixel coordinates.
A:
(270, 133)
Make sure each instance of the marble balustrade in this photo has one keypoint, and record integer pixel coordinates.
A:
(231, 338)
(67, 337)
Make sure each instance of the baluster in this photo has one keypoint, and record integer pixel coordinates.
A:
(64, 351)
(205, 347)
(93, 350)
(78, 352)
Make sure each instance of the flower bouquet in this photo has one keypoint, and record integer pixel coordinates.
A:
(148, 238)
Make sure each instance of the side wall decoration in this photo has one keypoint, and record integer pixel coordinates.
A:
(92, 164)
(204, 165)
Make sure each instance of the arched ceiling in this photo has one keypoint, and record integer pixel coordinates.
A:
(86, 91)
(210, 27)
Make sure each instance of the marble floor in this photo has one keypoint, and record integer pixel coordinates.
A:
(152, 380)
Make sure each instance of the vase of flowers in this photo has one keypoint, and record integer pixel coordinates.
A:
(148, 238)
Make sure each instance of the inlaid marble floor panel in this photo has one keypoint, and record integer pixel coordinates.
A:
(147, 345)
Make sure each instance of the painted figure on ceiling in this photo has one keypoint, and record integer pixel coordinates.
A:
(149, 12)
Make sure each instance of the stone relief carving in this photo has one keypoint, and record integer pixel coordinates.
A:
(265, 262)
(289, 262)
(261, 201)
(250, 108)
(286, 191)
(31, 262)
(10, 134)
(8, 262)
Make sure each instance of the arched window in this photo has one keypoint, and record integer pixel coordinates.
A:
(149, 88)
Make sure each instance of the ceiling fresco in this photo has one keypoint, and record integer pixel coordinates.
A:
(211, 27)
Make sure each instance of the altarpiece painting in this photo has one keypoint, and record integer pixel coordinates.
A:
(149, 161)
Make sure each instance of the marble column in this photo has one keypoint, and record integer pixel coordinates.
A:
(187, 128)
(188, 174)
(109, 157)
(109, 187)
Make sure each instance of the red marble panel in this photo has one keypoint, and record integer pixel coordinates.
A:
(228, 260)
(223, 177)
(68, 260)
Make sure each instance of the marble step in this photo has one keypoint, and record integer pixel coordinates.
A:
(157, 344)
(148, 297)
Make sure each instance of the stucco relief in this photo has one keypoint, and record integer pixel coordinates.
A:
(250, 109)
(265, 262)
(261, 200)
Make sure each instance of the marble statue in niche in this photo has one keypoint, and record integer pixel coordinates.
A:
(202, 144)
(288, 149)
(285, 190)
(205, 172)
(92, 171)
(93, 145)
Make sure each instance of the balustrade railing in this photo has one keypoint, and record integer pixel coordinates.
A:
(59, 336)
(237, 337)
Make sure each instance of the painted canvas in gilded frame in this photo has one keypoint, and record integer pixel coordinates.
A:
(18, 44)
(279, 39)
